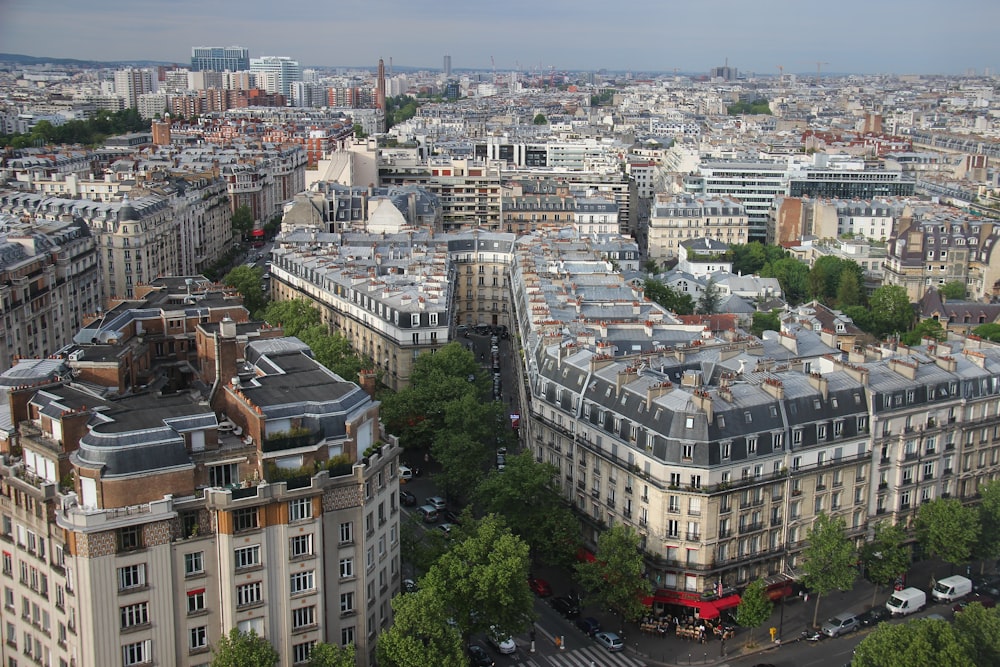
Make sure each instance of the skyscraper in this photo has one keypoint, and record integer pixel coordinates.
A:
(131, 83)
(277, 73)
(380, 90)
(447, 65)
(220, 59)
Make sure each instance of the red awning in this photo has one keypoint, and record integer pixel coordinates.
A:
(584, 555)
(706, 610)
(727, 602)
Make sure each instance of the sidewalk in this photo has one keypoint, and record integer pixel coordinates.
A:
(796, 616)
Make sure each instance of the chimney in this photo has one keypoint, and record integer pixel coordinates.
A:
(774, 387)
(654, 391)
(819, 383)
(978, 358)
(907, 369)
(703, 401)
(789, 342)
(625, 376)
(366, 378)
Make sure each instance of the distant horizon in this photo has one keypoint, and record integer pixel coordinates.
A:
(887, 37)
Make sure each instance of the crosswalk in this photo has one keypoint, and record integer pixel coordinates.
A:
(591, 656)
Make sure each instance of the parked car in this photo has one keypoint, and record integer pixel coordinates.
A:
(951, 588)
(428, 514)
(566, 606)
(409, 586)
(407, 499)
(984, 600)
(446, 529)
(988, 585)
(610, 641)
(540, 587)
(873, 616)
(478, 656)
(840, 624)
(405, 474)
(907, 601)
(588, 625)
(452, 517)
(437, 502)
(505, 645)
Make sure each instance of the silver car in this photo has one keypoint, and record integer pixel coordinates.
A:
(840, 624)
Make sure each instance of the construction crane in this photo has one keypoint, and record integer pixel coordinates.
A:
(494, 63)
(819, 67)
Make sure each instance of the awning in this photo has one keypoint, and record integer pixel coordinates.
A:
(706, 610)
(584, 555)
(727, 602)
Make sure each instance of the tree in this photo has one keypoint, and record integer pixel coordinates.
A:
(328, 655)
(526, 495)
(421, 634)
(953, 291)
(886, 556)
(334, 351)
(359, 131)
(925, 329)
(614, 579)
(242, 221)
(849, 290)
(246, 281)
(921, 641)
(890, 309)
(827, 274)
(978, 631)
(651, 266)
(708, 302)
(540, 119)
(675, 302)
(828, 559)
(989, 331)
(792, 275)
(294, 315)
(755, 607)
(764, 322)
(988, 547)
(482, 580)
(947, 529)
(244, 649)
(467, 442)
(750, 258)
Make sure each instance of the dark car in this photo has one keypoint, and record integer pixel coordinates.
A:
(452, 517)
(984, 600)
(407, 499)
(566, 606)
(987, 585)
(478, 657)
(873, 616)
(588, 625)
(540, 587)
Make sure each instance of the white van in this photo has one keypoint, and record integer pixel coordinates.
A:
(951, 588)
(906, 601)
(405, 474)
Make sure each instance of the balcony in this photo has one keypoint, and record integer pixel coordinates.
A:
(750, 527)
(725, 533)
(692, 537)
(947, 471)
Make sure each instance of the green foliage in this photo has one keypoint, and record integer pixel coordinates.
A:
(294, 315)
(989, 331)
(466, 445)
(614, 579)
(359, 131)
(953, 291)
(708, 301)
(947, 529)
(400, 109)
(300, 318)
(918, 642)
(540, 119)
(989, 521)
(849, 290)
(603, 98)
(675, 302)
(91, 132)
(886, 556)
(246, 281)
(244, 649)
(828, 558)
(924, 329)
(482, 580)
(828, 274)
(420, 634)
(242, 221)
(978, 631)
(651, 266)
(758, 106)
(792, 275)
(755, 606)
(526, 495)
(750, 258)
(890, 310)
(328, 655)
(765, 322)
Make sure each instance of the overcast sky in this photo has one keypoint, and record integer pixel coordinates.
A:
(864, 36)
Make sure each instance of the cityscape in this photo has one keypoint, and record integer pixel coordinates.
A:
(497, 362)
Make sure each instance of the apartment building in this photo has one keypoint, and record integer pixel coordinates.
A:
(146, 524)
(130, 84)
(49, 281)
(754, 184)
(220, 59)
(675, 219)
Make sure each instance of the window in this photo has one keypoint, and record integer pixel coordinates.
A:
(346, 568)
(301, 545)
(198, 638)
(687, 451)
(299, 509)
(136, 654)
(194, 563)
(134, 614)
(726, 449)
(347, 635)
(131, 576)
(303, 581)
(223, 475)
(300, 652)
(248, 594)
(247, 556)
(303, 617)
(346, 603)
(245, 519)
(129, 538)
(751, 445)
(346, 532)
(196, 601)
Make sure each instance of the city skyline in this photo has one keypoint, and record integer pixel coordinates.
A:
(890, 36)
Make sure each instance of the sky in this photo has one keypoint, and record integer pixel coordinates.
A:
(848, 36)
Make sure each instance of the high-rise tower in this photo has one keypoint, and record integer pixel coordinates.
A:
(447, 65)
(380, 90)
